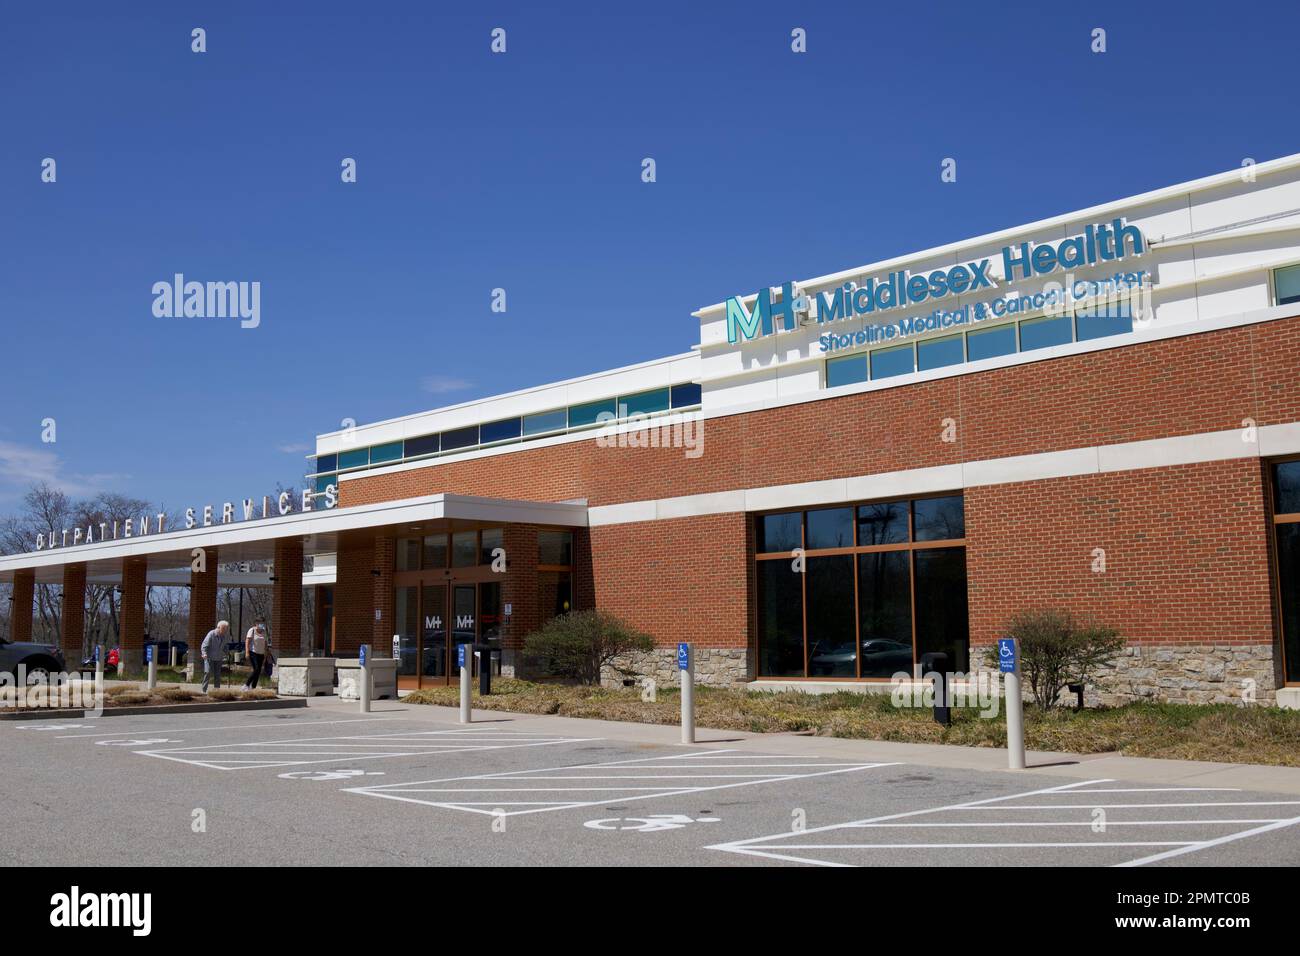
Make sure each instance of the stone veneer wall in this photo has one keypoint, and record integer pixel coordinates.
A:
(714, 667)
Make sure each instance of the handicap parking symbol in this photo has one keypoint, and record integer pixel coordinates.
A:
(323, 775)
(652, 824)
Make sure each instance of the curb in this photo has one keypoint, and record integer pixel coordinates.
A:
(280, 703)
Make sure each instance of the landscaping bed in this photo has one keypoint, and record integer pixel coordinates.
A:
(126, 699)
(1221, 733)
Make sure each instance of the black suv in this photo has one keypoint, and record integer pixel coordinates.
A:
(40, 660)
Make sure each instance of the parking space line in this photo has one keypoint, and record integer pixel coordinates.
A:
(175, 730)
(1068, 801)
(612, 777)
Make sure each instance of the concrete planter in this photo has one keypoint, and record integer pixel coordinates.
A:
(383, 678)
(304, 676)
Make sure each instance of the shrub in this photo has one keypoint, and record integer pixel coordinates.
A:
(134, 697)
(1057, 649)
(260, 693)
(223, 693)
(119, 689)
(177, 695)
(580, 643)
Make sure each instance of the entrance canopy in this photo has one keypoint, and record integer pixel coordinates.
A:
(320, 532)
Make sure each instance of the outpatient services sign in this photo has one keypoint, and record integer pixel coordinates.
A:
(901, 289)
(205, 517)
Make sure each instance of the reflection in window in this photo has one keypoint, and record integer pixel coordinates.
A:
(464, 549)
(885, 613)
(408, 554)
(990, 343)
(435, 551)
(849, 370)
(1107, 316)
(780, 619)
(886, 363)
(830, 528)
(1286, 488)
(832, 650)
(942, 621)
(1045, 332)
(555, 547)
(780, 532)
(884, 523)
(937, 353)
(492, 539)
(939, 519)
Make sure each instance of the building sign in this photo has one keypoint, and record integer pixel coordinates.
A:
(1097, 244)
(206, 517)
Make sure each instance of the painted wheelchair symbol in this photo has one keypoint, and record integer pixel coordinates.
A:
(651, 824)
(320, 775)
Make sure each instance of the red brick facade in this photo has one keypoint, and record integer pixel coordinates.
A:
(1186, 547)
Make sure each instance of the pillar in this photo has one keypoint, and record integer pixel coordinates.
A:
(72, 617)
(131, 635)
(519, 589)
(286, 599)
(20, 615)
(384, 600)
(203, 609)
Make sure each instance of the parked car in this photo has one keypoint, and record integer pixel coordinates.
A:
(39, 660)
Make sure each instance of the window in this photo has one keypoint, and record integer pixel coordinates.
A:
(435, 551)
(508, 429)
(867, 606)
(543, 422)
(464, 549)
(324, 481)
(643, 403)
(423, 445)
(326, 462)
(357, 458)
(460, 438)
(1105, 317)
(408, 554)
(937, 353)
(684, 396)
(555, 548)
(580, 416)
(490, 540)
(990, 343)
(849, 370)
(1045, 332)
(886, 363)
(385, 453)
(1286, 534)
(1286, 284)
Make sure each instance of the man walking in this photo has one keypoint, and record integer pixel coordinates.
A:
(213, 650)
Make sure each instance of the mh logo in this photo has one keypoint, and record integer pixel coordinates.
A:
(464, 621)
(742, 323)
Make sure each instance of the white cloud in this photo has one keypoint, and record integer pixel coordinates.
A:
(22, 466)
(437, 384)
(293, 448)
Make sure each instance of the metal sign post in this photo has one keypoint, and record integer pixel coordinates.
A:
(364, 677)
(686, 667)
(153, 666)
(1009, 665)
(463, 661)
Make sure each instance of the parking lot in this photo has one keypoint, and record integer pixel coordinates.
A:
(408, 785)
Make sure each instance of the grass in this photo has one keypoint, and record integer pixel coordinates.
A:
(1222, 733)
(168, 675)
(129, 695)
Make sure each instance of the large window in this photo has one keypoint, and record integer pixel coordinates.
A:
(862, 591)
(1286, 284)
(1286, 531)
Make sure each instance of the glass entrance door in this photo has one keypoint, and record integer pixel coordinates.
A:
(407, 614)
(464, 622)
(433, 641)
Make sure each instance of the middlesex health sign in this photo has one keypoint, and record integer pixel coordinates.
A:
(205, 517)
(901, 289)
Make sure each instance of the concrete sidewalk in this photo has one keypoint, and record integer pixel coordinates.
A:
(1285, 780)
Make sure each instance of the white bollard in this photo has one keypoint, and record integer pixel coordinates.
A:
(1014, 702)
(173, 656)
(464, 659)
(153, 666)
(99, 663)
(686, 668)
(364, 677)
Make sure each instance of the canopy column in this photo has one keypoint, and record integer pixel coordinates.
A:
(20, 615)
(203, 607)
(72, 618)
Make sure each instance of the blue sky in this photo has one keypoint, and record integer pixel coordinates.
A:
(522, 171)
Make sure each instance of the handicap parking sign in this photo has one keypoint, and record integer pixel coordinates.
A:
(460, 655)
(683, 656)
(363, 655)
(148, 654)
(1007, 655)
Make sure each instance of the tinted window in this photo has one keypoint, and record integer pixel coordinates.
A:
(989, 343)
(1286, 488)
(590, 412)
(887, 363)
(846, 371)
(435, 551)
(504, 430)
(557, 420)
(882, 523)
(780, 620)
(938, 519)
(460, 438)
(1042, 333)
(941, 609)
(1288, 572)
(1286, 285)
(326, 462)
(1104, 318)
(936, 353)
(491, 540)
(830, 528)
(464, 549)
(357, 458)
(643, 403)
(408, 554)
(555, 547)
(779, 532)
(324, 481)
(885, 613)
(686, 395)
(423, 445)
(382, 453)
(832, 639)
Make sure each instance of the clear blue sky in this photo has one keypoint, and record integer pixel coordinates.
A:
(522, 171)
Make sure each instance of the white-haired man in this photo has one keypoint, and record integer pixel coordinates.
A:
(213, 650)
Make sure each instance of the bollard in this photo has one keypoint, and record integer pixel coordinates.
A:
(99, 663)
(173, 649)
(686, 667)
(364, 677)
(463, 659)
(1009, 665)
(153, 666)
(936, 663)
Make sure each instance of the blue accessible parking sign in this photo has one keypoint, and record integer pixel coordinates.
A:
(1007, 655)
(148, 654)
(460, 655)
(683, 656)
